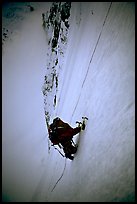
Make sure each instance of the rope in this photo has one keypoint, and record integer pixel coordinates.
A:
(92, 58)
(96, 44)
(60, 176)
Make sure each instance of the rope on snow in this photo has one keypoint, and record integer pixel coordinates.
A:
(60, 176)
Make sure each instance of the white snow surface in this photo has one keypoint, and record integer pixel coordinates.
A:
(96, 79)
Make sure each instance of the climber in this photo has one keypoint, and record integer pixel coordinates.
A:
(61, 133)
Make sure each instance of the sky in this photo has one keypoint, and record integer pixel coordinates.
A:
(92, 72)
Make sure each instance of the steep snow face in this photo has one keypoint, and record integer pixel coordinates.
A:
(95, 78)
(24, 132)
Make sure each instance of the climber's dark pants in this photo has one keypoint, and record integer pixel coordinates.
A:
(69, 149)
(67, 142)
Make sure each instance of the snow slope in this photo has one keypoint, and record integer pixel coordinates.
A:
(96, 79)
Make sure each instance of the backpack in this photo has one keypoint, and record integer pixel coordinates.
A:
(53, 137)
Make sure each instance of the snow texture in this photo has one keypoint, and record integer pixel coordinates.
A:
(68, 60)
